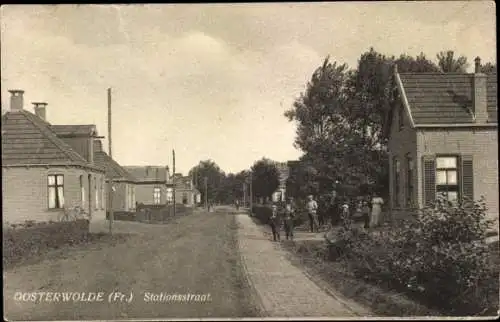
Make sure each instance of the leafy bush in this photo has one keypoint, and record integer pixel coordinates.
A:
(442, 256)
(262, 213)
(24, 242)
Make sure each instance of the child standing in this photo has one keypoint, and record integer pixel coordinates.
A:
(275, 223)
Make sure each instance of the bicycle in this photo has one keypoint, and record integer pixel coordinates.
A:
(74, 213)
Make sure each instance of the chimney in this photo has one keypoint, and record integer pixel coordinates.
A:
(40, 109)
(16, 100)
(477, 67)
(480, 93)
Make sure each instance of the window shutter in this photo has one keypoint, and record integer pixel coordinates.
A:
(467, 178)
(429, 184)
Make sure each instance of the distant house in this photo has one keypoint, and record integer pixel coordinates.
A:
(151, 183)
(41, 172)
(185, 192)
(123, 182)
(443, 139)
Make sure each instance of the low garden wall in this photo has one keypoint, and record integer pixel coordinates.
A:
(33, 238)
(150, 213)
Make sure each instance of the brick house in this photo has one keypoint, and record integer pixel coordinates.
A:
(185, 192)
(151, 184)
(123, 181)
(41, 173)
(443, 139)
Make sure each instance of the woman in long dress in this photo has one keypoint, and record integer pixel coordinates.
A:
(377, 203)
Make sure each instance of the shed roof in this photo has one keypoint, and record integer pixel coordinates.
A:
(147, 174)
(74, 130)
(112, 167)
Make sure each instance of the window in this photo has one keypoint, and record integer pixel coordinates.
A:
(156, 196)
(82, 192)
(56, 191)
(96, 191)
(447, 178)
(397, 188)
(401, 117)
(409, 183)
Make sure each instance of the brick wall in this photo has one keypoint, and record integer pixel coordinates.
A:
(481, 144)
(25, 193)
(144, 193)
(403, 142)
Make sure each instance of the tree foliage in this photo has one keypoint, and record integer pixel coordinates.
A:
(265, 178)
(449, 64)
(489, 68)
(215, 179)
(343, 116)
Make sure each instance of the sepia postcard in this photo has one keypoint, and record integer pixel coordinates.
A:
(250, 161)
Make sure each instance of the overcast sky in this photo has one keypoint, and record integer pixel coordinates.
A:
(211, 81)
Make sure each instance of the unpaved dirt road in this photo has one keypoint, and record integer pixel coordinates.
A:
(195, 254)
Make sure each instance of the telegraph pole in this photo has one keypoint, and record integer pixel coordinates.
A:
(193, 186)
(251, 192)
(173, 179)
(206, 193)
(110, 176)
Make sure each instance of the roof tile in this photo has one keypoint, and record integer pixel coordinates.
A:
(26, 139)
(445, 98)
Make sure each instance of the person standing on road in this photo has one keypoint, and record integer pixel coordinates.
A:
(289, 216)
(237, 203)
(275, 223)
(312, 212)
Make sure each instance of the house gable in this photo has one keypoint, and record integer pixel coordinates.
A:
(28, 140)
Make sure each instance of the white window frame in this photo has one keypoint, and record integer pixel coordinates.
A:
(156, 195)
(444, 188)
(58, 187)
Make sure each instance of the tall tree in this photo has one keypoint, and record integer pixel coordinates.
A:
(489, 68)
(449, 64)
(215, 177)
(265, 178)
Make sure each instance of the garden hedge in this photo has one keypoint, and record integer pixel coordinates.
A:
(32, 239)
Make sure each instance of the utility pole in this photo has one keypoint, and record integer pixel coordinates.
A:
(251, 193)
(110, 176)
(173, 179)
(206, 193)
(244, 194)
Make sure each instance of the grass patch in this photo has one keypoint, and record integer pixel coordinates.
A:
(18, 250)
(313, 257)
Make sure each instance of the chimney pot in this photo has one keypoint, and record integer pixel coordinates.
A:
(40, 109)
(16, 99)
(477, 68)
